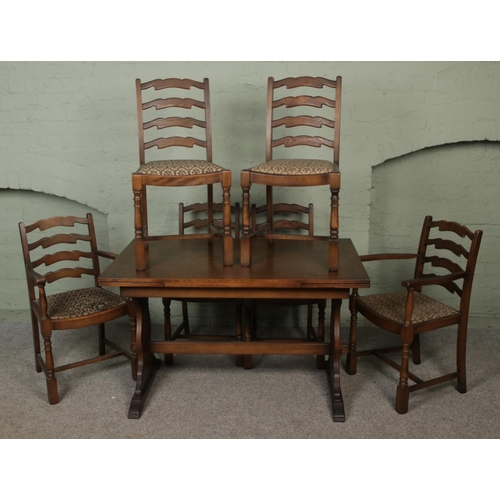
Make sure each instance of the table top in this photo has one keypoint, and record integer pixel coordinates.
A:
(193, 263)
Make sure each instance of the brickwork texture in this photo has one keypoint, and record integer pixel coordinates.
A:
(417, 138)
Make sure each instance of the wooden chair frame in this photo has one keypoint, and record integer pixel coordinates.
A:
(177, 176)
(283, 210)
(41, 321)
(408, 330)
(183, 331)
(331, 177)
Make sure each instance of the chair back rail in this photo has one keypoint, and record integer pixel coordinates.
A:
(60, 255)
(287, 223)
(317, 122)
(203, 222)
(160, 104)
(467, 256)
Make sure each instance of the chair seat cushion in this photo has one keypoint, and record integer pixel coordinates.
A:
(392, 306)
(82, 302)
(178, 167)
(294, 167)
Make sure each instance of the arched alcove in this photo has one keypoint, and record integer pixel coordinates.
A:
(454, 181)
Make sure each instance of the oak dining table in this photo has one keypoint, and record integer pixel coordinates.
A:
(184, 268)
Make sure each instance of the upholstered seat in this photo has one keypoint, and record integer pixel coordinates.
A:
(178, 167)
(82, 302)
(392, 307)
(294, 167)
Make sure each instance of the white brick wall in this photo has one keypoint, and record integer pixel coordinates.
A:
(69, 129)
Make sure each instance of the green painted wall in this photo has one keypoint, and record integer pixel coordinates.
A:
(69, 130)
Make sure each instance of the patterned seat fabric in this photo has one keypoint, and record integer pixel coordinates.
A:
(82, 302)
(294, 167)
(178, 167)
(392, 306)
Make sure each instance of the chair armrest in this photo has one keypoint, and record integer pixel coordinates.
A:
(433, 280)
(40, 307)
(108, 255)
(37, 278)
(387, 256)
(430, 280)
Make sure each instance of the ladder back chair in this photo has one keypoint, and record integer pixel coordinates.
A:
(77, 308)
(298, 172)
(200, 222)
(176, 172)
(409, 313)
(289, 218)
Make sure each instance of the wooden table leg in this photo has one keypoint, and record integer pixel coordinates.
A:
(147, 363)
(334, 363)
(139, 223)
(247, 358)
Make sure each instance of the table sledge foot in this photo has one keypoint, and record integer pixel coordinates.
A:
(336, 396)
(141, 391)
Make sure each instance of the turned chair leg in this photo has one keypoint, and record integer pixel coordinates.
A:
(402, 391)
(36, 341)
(415, 349)
(101, 338)
(249, 334)
(185, 317)
(309, 327)
(239, 332)
(167, 326)
(320, 360)
(461, 355)
(52, 393)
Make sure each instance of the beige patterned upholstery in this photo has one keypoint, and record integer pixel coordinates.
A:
(81, 302)
(178, 167)
(294, 167)
(392, 306)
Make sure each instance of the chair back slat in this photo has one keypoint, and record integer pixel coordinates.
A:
(50, 259)
(447, 264)
(173, 102)
(291, 208)
(454, 227)
(296, 224)
(67, 272)
(45, 224)
(174, 121)
(172, 83)
(187, 142)
(57, 239)
(300, 121)
(304, 81)
(290, 224)
(304, 100)
(456, 248)
(303, 140)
